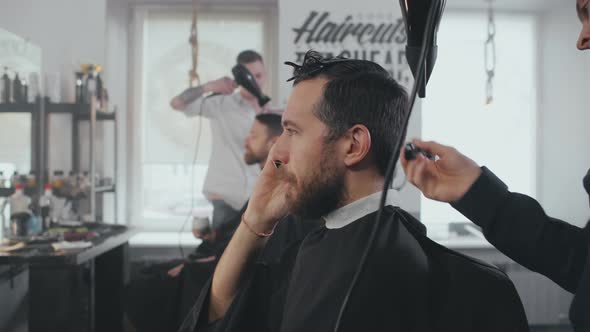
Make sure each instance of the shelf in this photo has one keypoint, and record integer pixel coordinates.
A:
(100, 116)
(81, 112)
(105, 189)
(64, 108)
(7, 192)
(18, 108)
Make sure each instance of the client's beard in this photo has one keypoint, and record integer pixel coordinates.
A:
(322, 192)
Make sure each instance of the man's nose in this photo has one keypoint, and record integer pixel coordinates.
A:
(279, 152)
(584, 40)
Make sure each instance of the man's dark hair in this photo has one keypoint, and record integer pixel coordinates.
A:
(358, 92)
(248, 56)
(272, 123)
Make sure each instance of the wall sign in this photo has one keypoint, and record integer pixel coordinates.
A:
(371, 30)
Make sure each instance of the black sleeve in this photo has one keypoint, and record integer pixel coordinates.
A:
(517, 225)
(258, 305)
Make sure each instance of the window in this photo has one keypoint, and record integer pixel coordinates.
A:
(502, 135)
(167, 184)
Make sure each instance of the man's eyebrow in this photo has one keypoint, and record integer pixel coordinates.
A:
(290, 123)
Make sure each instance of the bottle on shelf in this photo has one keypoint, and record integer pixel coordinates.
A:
(19, 202)
(46, 206)
(34, 90)
(3, 184)
(105, 100)
(32, 179)
(85, 182)
(79, 87)
(25, 89)
(17, 90)
(70, 184)
(99, 87)
(57, 181)
(5, 86)
(15, 179)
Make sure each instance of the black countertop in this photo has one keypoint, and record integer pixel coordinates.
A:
(42, 253)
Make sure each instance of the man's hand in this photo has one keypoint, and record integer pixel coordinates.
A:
(224, 86)
(174, 272)
(268, 202)
(447, 179)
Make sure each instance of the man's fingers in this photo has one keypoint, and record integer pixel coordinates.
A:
(422, 173)
(404, 162)
(418, 172)
(433, 147)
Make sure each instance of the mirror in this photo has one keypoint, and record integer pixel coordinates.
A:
(17, 55)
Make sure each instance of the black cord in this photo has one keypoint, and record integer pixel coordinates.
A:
(425, 49)
(190, 212)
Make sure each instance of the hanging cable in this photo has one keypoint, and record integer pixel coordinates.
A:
(490, 55)
(432, 19)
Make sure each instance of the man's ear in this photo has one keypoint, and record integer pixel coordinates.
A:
(358, 145)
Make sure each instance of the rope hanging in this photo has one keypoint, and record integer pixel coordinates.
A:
(193, 76)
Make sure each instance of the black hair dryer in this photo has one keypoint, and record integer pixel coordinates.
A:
(243, 77)
(415, 15)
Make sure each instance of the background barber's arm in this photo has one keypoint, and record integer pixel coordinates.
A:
(194, 101)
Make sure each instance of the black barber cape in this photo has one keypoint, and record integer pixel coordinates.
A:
(409, 284)
(517, 225)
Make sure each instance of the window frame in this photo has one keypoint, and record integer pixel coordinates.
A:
(268, 14)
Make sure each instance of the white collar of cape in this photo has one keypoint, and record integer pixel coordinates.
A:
(353, 211)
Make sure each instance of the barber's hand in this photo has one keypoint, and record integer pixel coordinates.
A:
(446, 179)
(224, 85)
(268, 202)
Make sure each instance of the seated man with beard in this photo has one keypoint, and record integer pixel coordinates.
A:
(264, 132)
(340, 127)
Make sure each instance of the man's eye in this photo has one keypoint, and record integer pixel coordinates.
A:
(290, 132)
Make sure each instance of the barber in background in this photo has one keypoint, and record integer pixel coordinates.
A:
(229, 180)
(514, 223)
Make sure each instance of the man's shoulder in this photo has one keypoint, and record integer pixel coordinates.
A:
(463, 270)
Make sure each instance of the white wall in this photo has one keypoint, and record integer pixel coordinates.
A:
(70, 33)
(564, 117)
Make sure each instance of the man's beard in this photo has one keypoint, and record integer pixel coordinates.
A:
(322, 192)
(250, 158)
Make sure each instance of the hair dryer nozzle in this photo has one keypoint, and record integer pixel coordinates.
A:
(244, 78)
(413, 56)
(422, 18)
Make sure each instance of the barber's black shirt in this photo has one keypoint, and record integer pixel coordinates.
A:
(517, 225)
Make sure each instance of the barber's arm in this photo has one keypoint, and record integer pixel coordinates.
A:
(266, 207)
(190, 100)
(514, 223)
